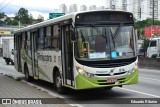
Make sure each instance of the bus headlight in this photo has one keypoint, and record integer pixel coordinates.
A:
(136, 66)
(84, 73)
(132, 70)
(80, 70)
(129, 72)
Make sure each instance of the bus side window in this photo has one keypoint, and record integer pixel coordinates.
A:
(55, 40)
(48, 37)
(40, 38)
(24, 40)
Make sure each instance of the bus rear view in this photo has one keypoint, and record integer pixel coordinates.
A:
(105, 50)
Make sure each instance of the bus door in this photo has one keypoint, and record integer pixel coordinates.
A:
(18, 54)
(67, 55)
(34, 56)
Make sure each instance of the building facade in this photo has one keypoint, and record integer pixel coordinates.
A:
(92, 7)
(83, 8)
(73, 8)
(147, 9)
(63, 8)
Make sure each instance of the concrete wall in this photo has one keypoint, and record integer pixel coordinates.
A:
(152, 63)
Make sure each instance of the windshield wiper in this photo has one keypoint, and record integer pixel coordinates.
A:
(117, 31)
(115, 34)
(93, 26)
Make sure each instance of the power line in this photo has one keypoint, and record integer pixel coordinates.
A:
(6, 5)
(3, 2)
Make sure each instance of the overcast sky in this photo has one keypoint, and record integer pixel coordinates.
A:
(43, 7)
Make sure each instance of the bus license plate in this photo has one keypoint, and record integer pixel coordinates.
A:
(111, 80)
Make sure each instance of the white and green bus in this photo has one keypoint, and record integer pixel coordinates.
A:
(85, 50)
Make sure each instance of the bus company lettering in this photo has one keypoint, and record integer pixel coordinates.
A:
(47, 58)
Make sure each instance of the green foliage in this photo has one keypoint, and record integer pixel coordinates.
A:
(140, 25)
(2, 15)
(23, 16)
(13, 22)
(146, 44)
(156, 22)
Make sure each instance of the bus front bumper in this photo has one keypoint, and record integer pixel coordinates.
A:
(83, 82)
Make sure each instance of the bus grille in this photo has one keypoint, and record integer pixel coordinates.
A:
(109, 65)
(110, 75)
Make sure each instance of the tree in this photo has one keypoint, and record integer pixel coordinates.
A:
(13, 22)
(23, 16)
(140, 25)
(2, 15)
(145, 45)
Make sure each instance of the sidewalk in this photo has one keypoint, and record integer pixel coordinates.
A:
(9, 70)
(12, 88)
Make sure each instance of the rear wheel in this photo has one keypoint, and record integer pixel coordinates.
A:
(7, 61)
(58, 83)
(12, 62)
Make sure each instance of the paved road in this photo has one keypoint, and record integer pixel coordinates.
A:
(148, 87)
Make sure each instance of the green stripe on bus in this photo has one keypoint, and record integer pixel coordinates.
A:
(28, 60)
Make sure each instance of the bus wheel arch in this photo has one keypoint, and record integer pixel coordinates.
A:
(57, 80)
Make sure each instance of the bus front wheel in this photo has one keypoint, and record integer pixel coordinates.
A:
(58, 83)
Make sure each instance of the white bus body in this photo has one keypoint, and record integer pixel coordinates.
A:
(74, 50)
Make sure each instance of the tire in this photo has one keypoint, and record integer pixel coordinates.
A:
(58, 83)
(7, 62)
(26, 72)
(108, 88)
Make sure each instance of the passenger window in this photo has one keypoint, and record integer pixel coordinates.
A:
(55, 42)
(48, 38)
(41, 39)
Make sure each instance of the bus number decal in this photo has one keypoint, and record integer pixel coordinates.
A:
(47, 58)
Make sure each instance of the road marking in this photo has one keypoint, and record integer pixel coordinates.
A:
(149, 79)
(141, 92)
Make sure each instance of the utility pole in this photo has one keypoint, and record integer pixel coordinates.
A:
(153, 14)
(140, 12)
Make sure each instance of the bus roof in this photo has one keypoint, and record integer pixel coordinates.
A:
(61, 18)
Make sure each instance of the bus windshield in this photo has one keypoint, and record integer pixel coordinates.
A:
(104, 42)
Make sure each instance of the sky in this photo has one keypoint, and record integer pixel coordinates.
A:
(42, 7)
